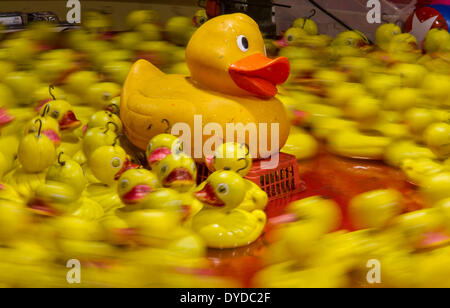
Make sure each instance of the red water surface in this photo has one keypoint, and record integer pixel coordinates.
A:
(327, 175)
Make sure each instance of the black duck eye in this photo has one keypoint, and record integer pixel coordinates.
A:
(116, 162)
(55, 114)
(290, 38)
(164, 169)
(179, 148)
(202, 20)
(124, 184)
(223, 189)
(243, 43)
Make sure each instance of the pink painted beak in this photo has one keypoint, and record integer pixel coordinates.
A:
(282, 43)
(53, 136)
(5, 117)
(135, 195)
(158, 155)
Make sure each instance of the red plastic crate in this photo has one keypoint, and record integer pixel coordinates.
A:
(280, 183)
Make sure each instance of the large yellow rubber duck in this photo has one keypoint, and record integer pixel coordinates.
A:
(231, 81)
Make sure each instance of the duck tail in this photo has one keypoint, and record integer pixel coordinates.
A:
(143, 68)
(138, 77)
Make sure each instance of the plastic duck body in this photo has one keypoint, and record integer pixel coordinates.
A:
(231, 81)
(418, 169)
(221, 224)
(355, 144)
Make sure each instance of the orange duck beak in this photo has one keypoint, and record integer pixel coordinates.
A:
(260, 75)
(208, 196)
(69, 121)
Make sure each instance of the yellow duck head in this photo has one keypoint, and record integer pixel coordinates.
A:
(50, 128)
(351, 38)
(102, 118)
(227, 54)
(385, 33)
(36, 152)
(292, 37)
(178, 172)
(223, 190)
(108, 163)
(62, 112)
(135, 185)
(161, 146)
(231, 156)
(200, 17)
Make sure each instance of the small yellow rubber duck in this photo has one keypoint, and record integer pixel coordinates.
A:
(36, 153)
(236, 157)
(107, 164)
(63, 192)
(62, 112)
(221, 224)
(231, 80)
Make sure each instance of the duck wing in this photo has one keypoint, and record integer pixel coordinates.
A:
(152, 102)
